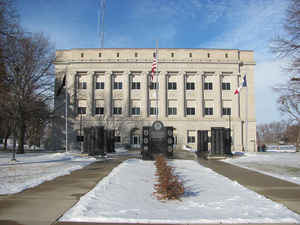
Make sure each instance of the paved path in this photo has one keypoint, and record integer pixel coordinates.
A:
(45, 203)
(281, 191)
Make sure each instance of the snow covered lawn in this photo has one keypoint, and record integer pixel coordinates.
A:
(32, 169)
(126, 195)
(285, 166)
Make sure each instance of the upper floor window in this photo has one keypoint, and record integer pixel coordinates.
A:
(208, 55)
(135, 54)
(135, 111)
(172, 54)
(81, 85)
(154, 54)
(117, 110)
(172, 110)
(208, 111)
(81, 110)
(226, 111)
(99, 55)
(135, 85)
(117, 85)
(154, 85)
(99, 85)
(82, 55)
(99, 111)
(190, 86)
(225, 86)
(191, 55)
(118, 54)
(172, 86)
(226, 55)
(190, 111)
(208, 86)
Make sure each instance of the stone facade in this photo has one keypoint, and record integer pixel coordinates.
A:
(112, 87)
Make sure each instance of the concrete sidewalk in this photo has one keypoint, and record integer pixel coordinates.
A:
(44, 204)
(278, 190)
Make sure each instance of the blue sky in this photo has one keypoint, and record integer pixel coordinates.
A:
(232, 24)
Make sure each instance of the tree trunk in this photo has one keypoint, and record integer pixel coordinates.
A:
(21, 137)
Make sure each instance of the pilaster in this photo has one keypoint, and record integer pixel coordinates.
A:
(162, 77)
(145, 90)
(218, 93)
(181, 100)
(90, 94)
(127, 78)
(108, 93)
(199, 94)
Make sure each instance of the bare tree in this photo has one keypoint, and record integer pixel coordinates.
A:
(28, 60)
(272, 133)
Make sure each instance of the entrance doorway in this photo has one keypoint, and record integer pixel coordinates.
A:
(135, 138)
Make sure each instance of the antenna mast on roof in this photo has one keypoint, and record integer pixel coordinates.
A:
(102, 5)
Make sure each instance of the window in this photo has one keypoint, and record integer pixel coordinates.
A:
(190, 111)
(172, 54)
(172, 111)
(81, 110)
(117, 110)
(208, 111)
(99, 85)
(135, 111)
(191, 139)
(154, 85)
(226, 55)
(172, 86)
(80, 138)
(225, 86)
(191, 55)
(226, 111)
(136, 54)
(99, 111)
(118, 139)
(118, 54)
(82, 55)
(100, 55)
(135, 85)
(117, 85)
(190, 86)
(154, 55)
(153, 111)
(208, 86)
(208, 55)
(81, 85)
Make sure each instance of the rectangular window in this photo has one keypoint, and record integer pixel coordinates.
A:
(99, 85)
(225, 86)
(190, 111)
(208, 86)
(172, 111)
(136, 54)
(190, 86)
(172, 54)
(191, 139)
(172, 86)
(80, 138)
(153, 111)
(81, 85)
(117, 85)
(117, 110)
(154, 85)
(135, 111)
(191, 55)
(226, 111)
(100, 55)
(135, 85)
(118, 54)
(208, 111)
(99, 111)
(81, 110)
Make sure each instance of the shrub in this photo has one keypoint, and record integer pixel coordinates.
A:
(168, 186)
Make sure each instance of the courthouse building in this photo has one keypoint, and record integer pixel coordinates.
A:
(113, 88)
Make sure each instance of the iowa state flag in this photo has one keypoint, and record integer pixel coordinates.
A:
(244, 84)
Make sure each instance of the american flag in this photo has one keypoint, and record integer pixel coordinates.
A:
(153, 68)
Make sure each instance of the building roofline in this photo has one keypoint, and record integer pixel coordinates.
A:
(99, 49)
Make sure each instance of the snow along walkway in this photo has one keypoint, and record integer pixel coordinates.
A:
(44, 204)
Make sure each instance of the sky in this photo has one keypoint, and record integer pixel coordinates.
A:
(225, 24)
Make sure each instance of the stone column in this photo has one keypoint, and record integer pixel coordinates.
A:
(181, 100)
(218, 93)
(145, 90)
(108, 94)
(90, 94)
(162, 104)
(127, 93)
(199, 94)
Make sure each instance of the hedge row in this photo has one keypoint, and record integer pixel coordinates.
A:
(168, 186)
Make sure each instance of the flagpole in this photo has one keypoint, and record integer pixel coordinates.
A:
(246, 113)
(66, 116)
(156, 55)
